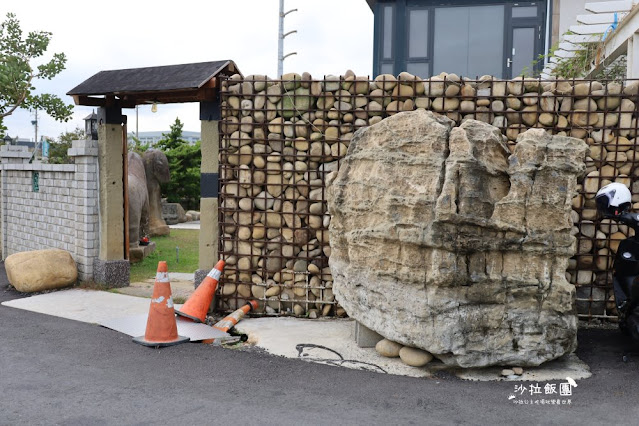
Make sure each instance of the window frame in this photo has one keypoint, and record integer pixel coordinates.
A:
(401, 32)
(429, 36)
(380, 60)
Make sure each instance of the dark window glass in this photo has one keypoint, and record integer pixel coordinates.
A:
(418, 33)
(525, 12)
(419, 69)
(451, 40)
(469, 41)
(386, 68)
(387, 36)
(523, 49)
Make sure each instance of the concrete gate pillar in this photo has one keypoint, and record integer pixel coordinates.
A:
(209, 116)
(110, 268)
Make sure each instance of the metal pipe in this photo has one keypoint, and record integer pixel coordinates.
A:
(548, 33)
(280, 39)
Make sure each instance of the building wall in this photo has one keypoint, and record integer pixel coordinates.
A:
(470, 38)
(151, 138)
(568, 11)
(62, 214)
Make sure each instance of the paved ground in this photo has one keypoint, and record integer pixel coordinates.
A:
(181, 287)
(57, 371)
(186, 225)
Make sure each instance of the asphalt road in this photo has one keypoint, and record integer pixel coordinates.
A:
(58, 371)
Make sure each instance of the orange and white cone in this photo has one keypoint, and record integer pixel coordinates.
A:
(229, 321)
(197, 306)
(161, 326)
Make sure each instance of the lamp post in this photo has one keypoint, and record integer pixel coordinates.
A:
(91, 126)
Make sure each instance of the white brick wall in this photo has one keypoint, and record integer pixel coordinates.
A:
(64, 212)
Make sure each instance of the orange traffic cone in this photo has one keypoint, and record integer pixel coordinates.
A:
(161, 326)
(229, 321)
(198, 304)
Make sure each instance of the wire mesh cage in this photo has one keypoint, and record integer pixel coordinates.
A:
(281, 139)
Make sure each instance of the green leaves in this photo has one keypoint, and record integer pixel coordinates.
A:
(173, 139)
(58, 149)
(53, 68)
(184, 165)
(17, 75)
(135, 144)
(51, 104)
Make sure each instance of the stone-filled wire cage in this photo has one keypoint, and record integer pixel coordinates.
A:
(281, 139)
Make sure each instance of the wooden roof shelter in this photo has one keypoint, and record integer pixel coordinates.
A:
(164, 84)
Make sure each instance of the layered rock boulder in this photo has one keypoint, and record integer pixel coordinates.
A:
(40, 270)
(444, 241)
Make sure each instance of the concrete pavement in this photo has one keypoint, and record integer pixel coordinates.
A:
(327, 341)
(186, 225)
(58, 371)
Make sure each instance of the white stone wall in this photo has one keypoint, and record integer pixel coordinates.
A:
(63, 213)
(568, 11)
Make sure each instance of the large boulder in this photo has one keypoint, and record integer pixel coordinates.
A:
(443, 241)
(40, 270)
(173, 213)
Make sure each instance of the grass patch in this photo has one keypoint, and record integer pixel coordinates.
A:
(178, 300)
(188, 242)
(92, 285)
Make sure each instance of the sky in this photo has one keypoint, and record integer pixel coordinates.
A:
(332, 37)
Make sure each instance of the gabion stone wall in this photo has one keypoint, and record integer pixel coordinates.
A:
(280, 140)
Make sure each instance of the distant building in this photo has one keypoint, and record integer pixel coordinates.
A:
(466, 37)
(25, 142)
(151, 138)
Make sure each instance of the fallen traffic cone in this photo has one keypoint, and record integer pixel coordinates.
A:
(161, 326)
(229, 321)
(198, 304)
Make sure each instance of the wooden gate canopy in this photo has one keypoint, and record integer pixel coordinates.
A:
(164, 84)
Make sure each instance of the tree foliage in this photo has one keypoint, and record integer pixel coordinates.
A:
(58, 149)
(173, 139)
(135, 144)
(184, 164)
(18, 73)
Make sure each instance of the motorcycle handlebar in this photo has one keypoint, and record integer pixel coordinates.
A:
(629, 219)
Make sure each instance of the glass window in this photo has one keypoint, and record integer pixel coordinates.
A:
(418, 33)
(525, 12)
(387, 34)
(419, 69)
(523, 49)
(469, 41)
(486, 41)
(386, 68)
(451, 40)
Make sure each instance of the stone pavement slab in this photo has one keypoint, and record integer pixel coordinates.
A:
(123, 313)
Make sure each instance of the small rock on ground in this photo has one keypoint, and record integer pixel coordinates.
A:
(388, 348)
(414, 357)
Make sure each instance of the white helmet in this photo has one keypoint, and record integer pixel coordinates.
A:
(613, 199)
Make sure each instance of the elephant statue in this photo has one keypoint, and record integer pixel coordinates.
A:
(156, 167)
(138, 200)
(145, 174)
